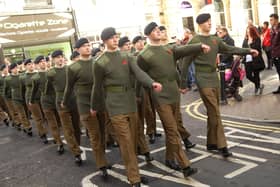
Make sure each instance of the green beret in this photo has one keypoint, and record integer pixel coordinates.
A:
(123, 40)
(81, 42)
(162, 28)
(38, 59)
(3, 66)
(27, 61)
(202, 18)
(74, 55)
(12, 66)
(107, 33)
(57, 53)
(149, 28)
(136, 39)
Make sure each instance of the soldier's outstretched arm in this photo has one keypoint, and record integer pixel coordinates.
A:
(186, 50)
(140, 75)
(225, 48)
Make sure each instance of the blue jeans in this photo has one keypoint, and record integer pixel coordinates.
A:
(191, 75)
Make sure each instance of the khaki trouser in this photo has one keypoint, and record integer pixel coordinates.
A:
(50, 115)
(167, 114)
(3, 109)
(96, 134)
(69, 132)
(122, 125)
(149, 113)
(22, 116)
(12, 111)
(141, 140)
(182, 131)
(38, 117)
(104, 120)
(215, 129)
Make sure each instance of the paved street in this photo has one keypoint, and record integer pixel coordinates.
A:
(26, 162)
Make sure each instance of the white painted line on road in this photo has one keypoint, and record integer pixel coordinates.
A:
(178, 179)
(253, 139)
(260, 149)
(254, 158)
(86, 180)
(247, 167)
(254, 134)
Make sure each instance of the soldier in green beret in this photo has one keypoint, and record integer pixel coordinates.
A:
(79, 77)
(208, 81)
(113, 71)
(68, 114)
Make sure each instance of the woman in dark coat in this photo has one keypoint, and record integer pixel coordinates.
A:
(254, 65)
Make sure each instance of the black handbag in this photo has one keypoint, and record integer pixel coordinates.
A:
(258, 64)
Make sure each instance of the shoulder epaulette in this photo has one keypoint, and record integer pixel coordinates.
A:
(146, 53)
(102, 59)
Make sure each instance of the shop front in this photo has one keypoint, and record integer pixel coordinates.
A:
(27, 36)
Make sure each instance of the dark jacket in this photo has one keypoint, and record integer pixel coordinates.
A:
(275, 41)
(227, 58)
(258, 62)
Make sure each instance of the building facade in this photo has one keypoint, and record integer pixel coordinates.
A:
(233, 14)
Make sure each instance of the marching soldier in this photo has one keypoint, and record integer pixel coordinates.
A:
(160, 63)
(3, 108)
(47, 101)
(184, 134)
(34, 106)
(113, 71)
(14, 83)
(208, 81)
(68, 115)
(148, 110)
(79, 77)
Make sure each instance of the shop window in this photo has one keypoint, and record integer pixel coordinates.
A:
(38, 4)
(220, 12)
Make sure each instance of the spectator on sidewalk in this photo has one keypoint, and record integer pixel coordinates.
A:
(254, 65)
(275, 44)
(191, 78)
(266, 44)
(226, 58)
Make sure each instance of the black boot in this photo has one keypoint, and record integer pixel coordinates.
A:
(152, 139)
(158, 134)
(18, 126)
(44, 139)
(188, 144)
(148, 157)
(224, 152)
(104, 173)
(60, 149)
(78, 160)
(29, 132)
(144, 180)
(172, 164)
(138, 184)
(277, 91)
(6, 121)
(189, 171)
(212, 147)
